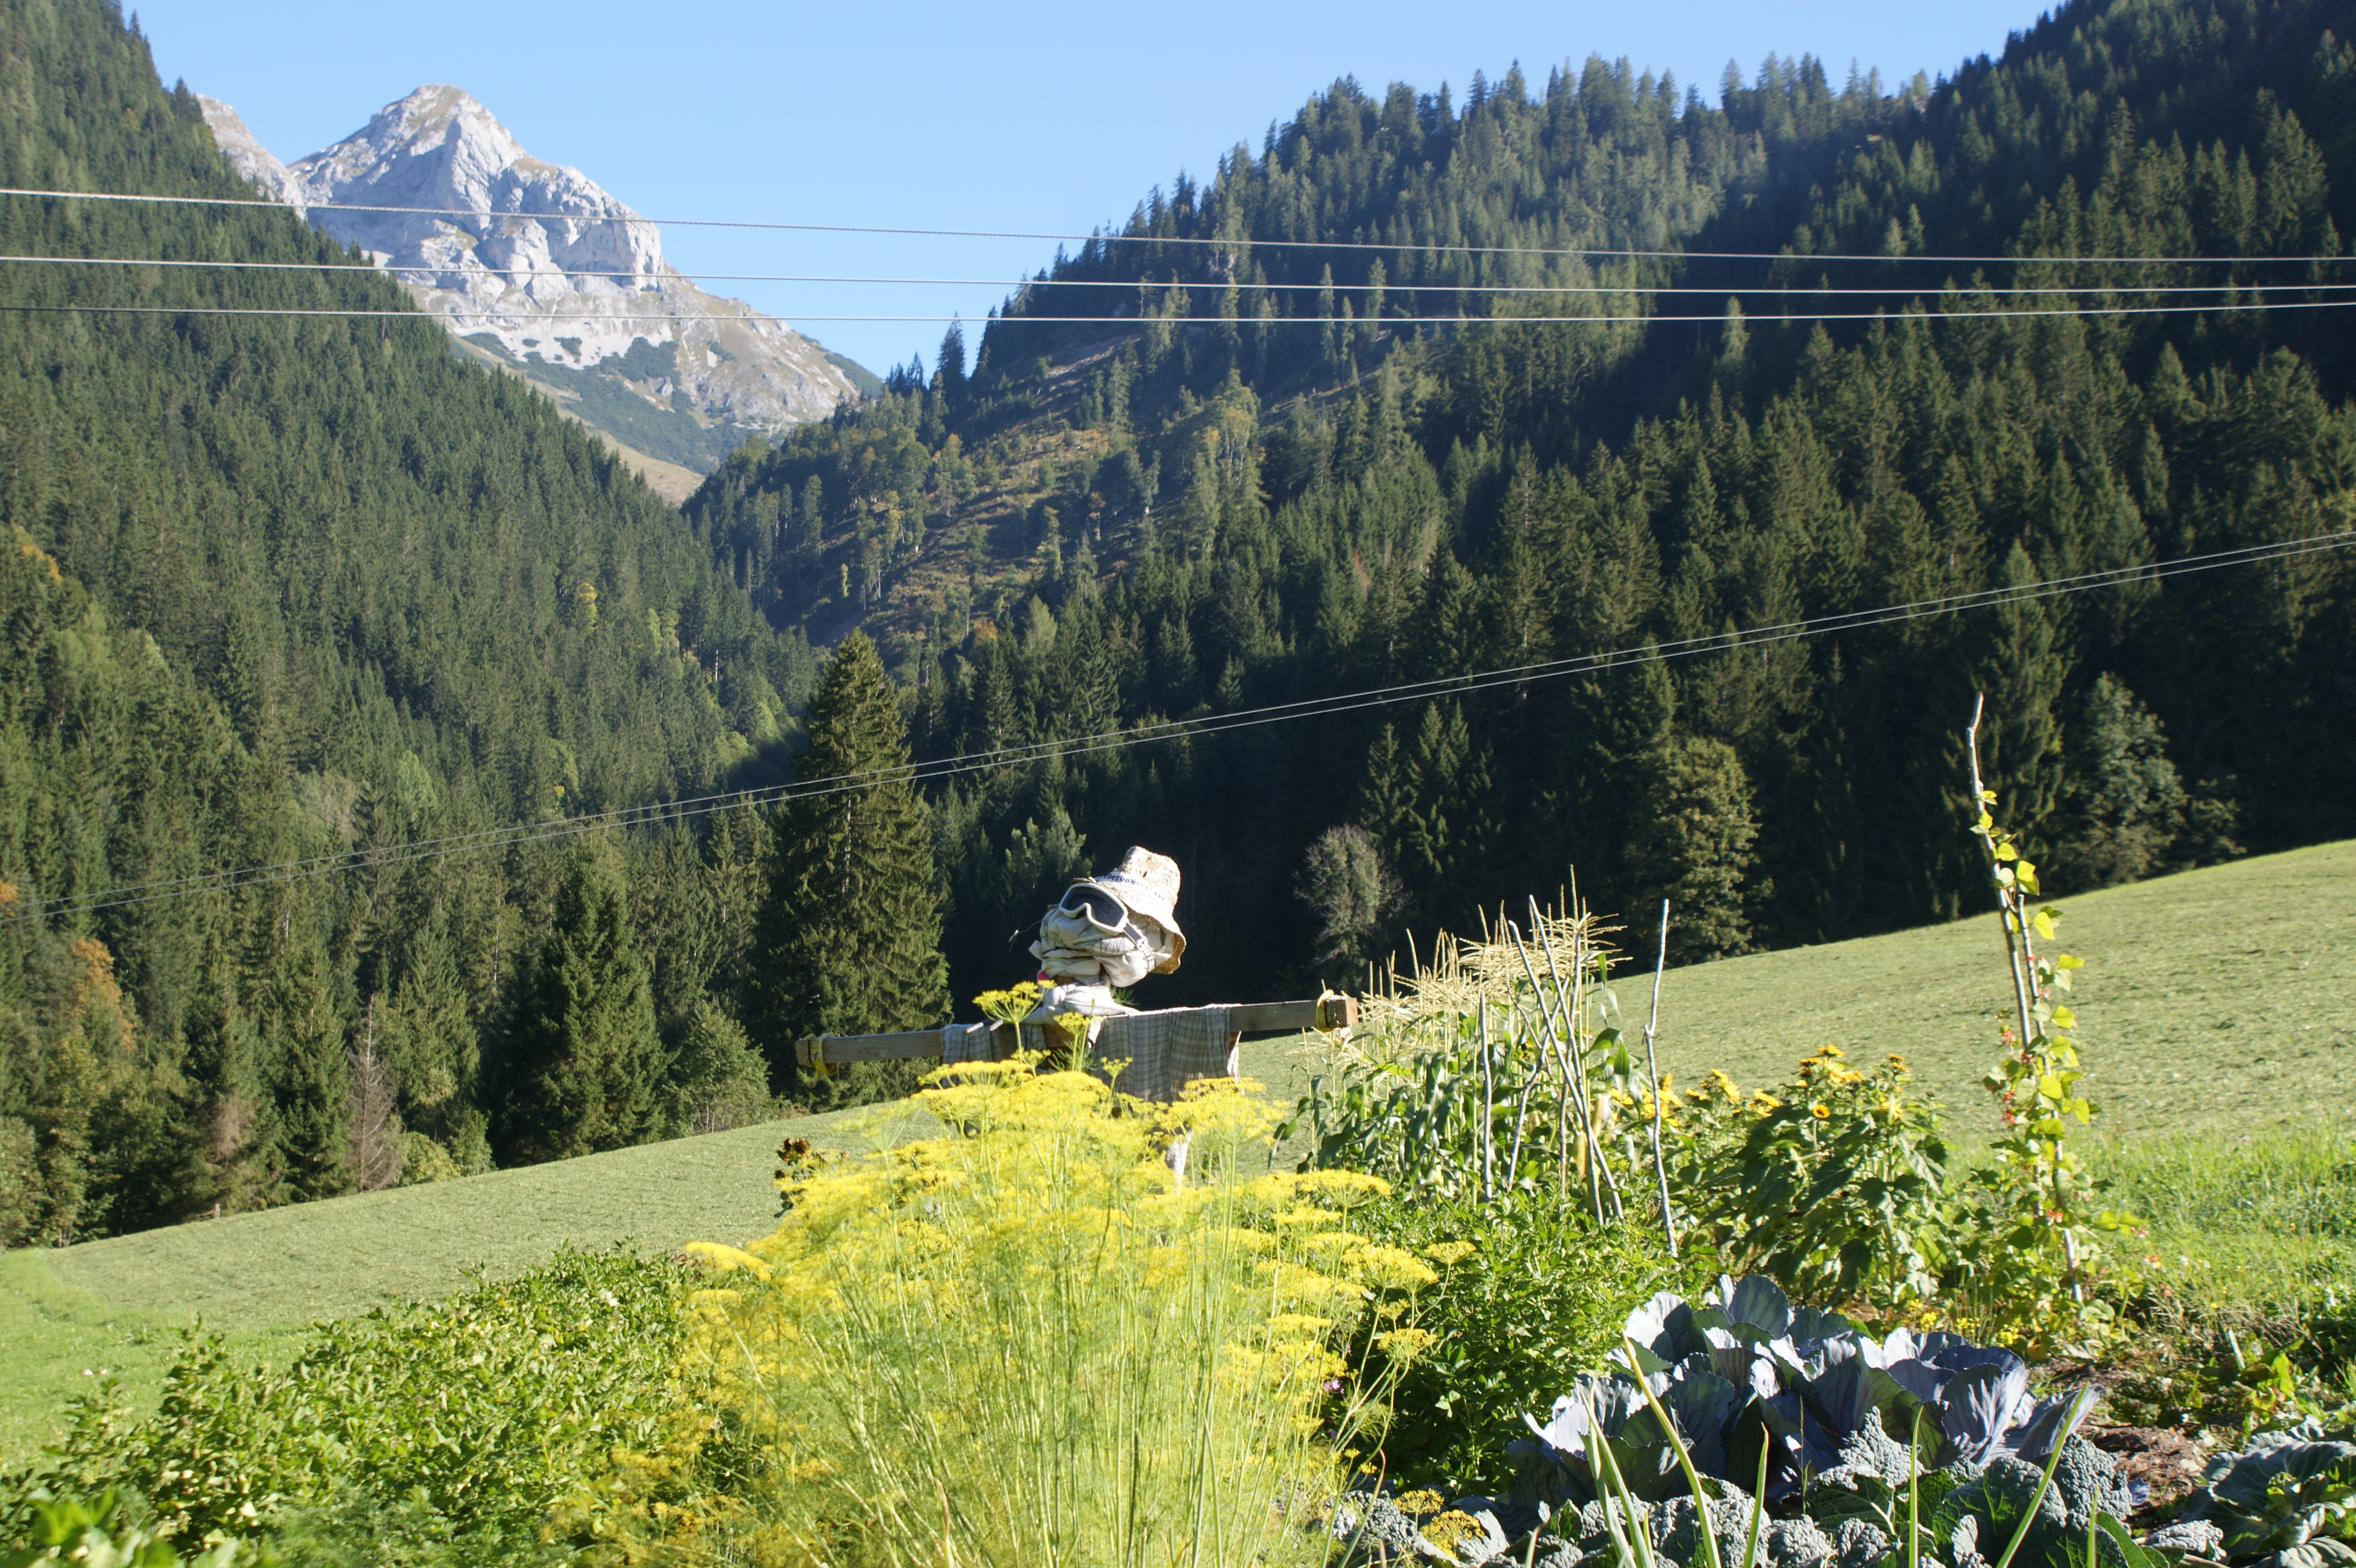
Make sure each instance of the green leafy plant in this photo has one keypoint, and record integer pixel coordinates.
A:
(1832, 1184)
(474, 1417)
(104, 1532)
(2028, 1268)
(2288, 1500)
(1529, 1292)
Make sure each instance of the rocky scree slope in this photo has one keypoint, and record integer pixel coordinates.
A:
(533, 265)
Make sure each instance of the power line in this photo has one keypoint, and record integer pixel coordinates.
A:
(1764, 319)
(1240, 243)
(1112, 740)
(569, 273)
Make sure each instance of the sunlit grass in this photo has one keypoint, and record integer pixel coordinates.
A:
(260, 1278)
(2263, 1223)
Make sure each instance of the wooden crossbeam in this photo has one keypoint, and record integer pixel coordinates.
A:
(1248, 1018)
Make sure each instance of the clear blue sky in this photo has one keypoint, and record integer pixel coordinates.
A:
(1044, 117)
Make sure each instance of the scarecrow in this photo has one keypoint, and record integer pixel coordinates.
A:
(1108, 932)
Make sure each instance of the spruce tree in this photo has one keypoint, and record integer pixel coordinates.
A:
(2023, 674)
(1695, 829)
(584, 1061)
(430, 1046)
(2126, 806)
(849, 938)
(948, 370)
(303, 1028)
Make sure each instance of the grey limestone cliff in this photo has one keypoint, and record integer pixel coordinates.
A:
(532, 264)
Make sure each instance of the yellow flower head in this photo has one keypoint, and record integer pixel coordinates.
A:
(1820, 1110)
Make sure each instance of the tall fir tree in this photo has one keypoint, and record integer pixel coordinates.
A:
(584, 1062)
(304, 1035)
(849, 937)
(2022, 674)
(1693, 845)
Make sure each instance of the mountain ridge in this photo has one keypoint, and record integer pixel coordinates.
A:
(540, 271)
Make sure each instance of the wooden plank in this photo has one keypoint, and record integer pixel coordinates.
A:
(1284, 1017)
(828, 1049)
(1250, 1019)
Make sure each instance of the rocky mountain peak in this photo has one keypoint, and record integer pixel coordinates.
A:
(477, 214)
(245, 155)
(533, 264)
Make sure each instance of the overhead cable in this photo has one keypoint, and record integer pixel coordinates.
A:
(1240, 243)
(1764, 319)
(1019, 282)
(1217, 724)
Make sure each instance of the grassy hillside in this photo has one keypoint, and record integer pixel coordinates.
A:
(2221, 1000)
(260, 1278)
(2217, 1000)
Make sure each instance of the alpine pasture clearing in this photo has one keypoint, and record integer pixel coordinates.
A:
(2219, 1001)
(117, 1305)
(2219, 1020)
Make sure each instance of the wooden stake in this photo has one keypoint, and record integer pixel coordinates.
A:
(1653, 1072)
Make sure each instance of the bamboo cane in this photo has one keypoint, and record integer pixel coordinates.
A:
(1574, 1085)
(1488, 1110)
(1572, 1017)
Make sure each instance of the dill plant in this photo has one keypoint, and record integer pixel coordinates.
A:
(1031, 1344)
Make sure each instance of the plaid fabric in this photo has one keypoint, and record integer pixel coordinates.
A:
(1166, 1052)
(967, 1043)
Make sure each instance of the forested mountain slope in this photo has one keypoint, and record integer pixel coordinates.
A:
(282, 587)
(1262, 467)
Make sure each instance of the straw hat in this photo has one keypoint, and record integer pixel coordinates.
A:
(1146, 884)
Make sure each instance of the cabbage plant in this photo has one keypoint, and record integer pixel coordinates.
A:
(1744, 1376)
(2287, 1501)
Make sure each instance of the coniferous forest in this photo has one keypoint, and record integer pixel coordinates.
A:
(1319, 488)
(285, 588)
(309, 589)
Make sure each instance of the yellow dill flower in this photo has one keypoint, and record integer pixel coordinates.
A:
(725, 1258)
(1342, 1183)
(1447, 1253)
(1405, 1345)
(1451, 1530)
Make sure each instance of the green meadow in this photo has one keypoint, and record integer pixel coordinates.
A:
(2218, 1013)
